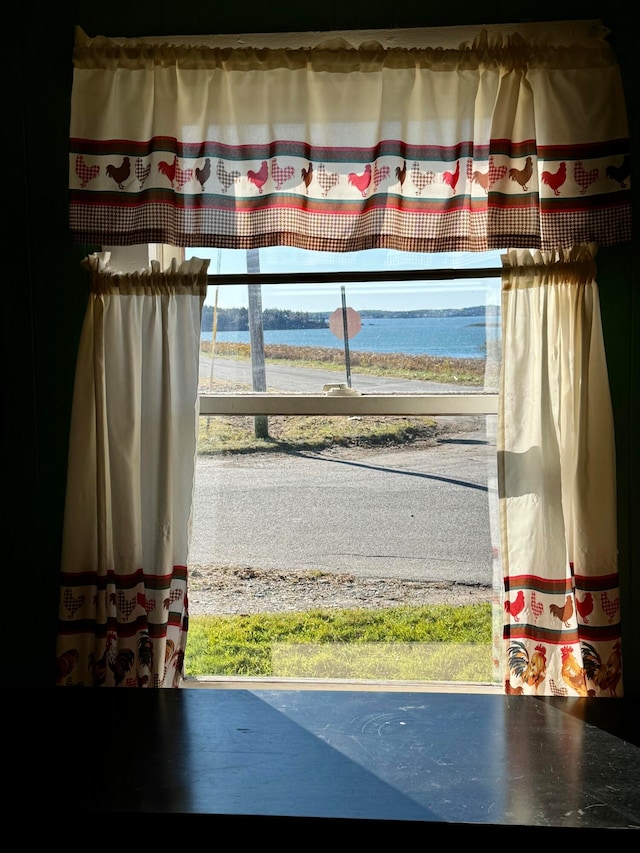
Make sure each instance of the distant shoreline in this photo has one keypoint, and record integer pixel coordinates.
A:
(278, 320)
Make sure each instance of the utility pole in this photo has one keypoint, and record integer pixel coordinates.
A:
(214, 331)
(256, 338)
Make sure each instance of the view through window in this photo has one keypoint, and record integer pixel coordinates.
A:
(344, 509)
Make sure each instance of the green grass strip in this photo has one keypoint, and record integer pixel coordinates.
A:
(432, 643)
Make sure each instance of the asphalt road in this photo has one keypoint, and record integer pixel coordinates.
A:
(414, 514)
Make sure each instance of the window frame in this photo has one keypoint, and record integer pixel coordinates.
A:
(263, 404)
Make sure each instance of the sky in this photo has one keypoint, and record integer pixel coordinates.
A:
(399, 296)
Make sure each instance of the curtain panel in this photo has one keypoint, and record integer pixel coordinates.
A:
(505, 140)
(123, 611)
(557, 488)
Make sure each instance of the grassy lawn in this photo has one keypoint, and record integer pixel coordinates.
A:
(236, 433)
(436, 643)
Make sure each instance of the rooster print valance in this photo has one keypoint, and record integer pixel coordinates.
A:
(501, 142)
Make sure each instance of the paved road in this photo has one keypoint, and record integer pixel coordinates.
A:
(413, 514)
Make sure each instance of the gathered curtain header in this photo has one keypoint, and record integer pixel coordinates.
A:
(502, 141)
(188, 278)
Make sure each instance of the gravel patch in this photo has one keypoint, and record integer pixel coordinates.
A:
(237, 590)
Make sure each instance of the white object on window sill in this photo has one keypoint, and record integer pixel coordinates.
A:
(340, 389)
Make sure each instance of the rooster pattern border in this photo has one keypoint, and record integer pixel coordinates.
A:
(564, 644)
(337, 203)
(125, 631)
(459, 176)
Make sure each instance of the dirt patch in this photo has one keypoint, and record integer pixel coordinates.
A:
(236, 590)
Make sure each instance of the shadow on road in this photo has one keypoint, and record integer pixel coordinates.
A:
(420, 474)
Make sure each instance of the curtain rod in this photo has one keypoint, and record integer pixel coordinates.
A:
(561, 32)
(353, 276)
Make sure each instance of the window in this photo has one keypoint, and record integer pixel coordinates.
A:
(421, 353)
(341, 160)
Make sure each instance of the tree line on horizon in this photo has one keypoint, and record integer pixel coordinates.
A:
(237, 319)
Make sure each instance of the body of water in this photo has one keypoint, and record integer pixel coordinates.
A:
(452, 337)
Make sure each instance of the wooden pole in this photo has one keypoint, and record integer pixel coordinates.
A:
(256, 337)
(214, 329)
(214, 332)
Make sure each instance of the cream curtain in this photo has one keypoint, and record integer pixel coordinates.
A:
(123, 612)
(507, 139)
(557, 490)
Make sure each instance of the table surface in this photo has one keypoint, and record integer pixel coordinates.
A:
(462, 759)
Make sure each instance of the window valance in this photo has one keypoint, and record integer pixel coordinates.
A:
(505, 140)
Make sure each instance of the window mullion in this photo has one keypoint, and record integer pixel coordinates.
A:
(374, 404)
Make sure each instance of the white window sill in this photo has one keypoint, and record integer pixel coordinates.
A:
(327, 404)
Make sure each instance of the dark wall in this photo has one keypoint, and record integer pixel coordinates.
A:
(46, 288)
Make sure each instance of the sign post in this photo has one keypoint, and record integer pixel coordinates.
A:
(345, 323)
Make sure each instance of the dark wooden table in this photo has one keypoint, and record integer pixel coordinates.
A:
(326, 758)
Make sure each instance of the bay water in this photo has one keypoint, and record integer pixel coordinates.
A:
(444, 337)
